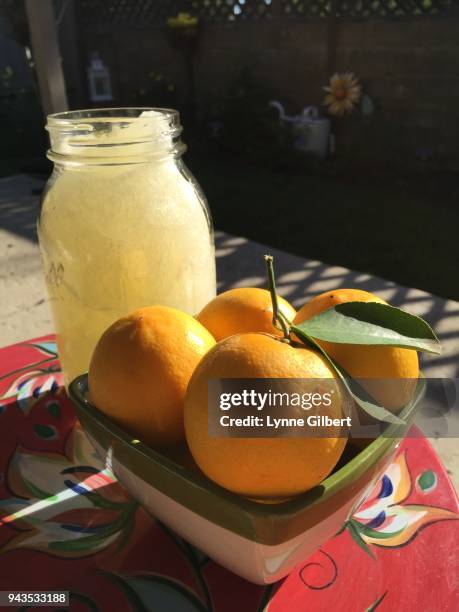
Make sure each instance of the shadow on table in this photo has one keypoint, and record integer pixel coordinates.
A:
(19, 205)
(240, 263)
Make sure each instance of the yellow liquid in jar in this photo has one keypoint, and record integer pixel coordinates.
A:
(116, 238)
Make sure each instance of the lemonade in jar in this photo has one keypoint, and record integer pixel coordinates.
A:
(123, 224)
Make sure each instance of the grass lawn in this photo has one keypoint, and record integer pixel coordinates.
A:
(401, 228)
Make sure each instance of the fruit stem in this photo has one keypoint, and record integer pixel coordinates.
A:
(279, 321)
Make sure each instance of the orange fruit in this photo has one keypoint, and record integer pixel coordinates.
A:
(140, 370)
(394, 370)
(242, 310)
(261, 468)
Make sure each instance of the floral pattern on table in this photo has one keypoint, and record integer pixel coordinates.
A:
(382, 519)
(41, 376)
(66, 504)
(66, 523)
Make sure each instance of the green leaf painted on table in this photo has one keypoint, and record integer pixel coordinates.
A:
(54, 409)
(196, 558)
(355, 535)
(379, 535)
(373, 533)
(371, 323)
(375, 605)
(100, 539)
(427, 481)
(161, 593)
(101, 502)
(45, 431)
(36, 491)
(136, 603)
(354, 389)
(85, 543)
(155, 592)
(80, 545)
(268, 592)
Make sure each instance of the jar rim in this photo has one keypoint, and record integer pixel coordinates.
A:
(124, 114)
(100, 134)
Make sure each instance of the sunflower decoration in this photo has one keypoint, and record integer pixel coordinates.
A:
(182, 20)
(343, 92)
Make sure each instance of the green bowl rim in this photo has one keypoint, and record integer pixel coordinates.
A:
(333, 483)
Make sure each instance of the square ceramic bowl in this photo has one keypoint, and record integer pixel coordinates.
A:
(260, 542)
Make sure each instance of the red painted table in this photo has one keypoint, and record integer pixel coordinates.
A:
(65, 525)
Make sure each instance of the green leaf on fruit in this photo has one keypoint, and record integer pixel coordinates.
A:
(361, 398)
(371, 323)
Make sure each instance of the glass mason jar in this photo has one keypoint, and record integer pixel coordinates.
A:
(123, 224)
